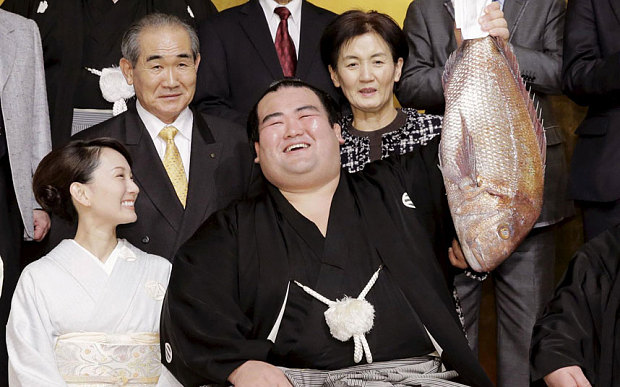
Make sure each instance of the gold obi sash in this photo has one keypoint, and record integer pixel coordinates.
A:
(102, 359)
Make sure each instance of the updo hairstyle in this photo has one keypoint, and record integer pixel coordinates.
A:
(74, 162)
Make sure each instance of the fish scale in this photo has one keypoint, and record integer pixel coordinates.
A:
(492, 152)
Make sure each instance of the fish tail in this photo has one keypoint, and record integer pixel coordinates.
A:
(534, 111)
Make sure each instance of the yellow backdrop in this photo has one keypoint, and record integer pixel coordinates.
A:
(394, 8)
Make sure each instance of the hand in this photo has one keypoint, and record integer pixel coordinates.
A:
(567, 377)
(493, 21)
(41, 224)
(457, 258)
(259, 374)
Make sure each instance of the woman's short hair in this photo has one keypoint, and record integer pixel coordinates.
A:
(74, 162)
(354, 23)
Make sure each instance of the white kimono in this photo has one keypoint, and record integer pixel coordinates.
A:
(77, 321)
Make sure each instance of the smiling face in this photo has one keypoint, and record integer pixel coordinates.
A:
(366, 73)
(164, 76)
(298, 149)
(111, 193)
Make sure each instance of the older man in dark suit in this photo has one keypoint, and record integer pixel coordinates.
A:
(524, 282)
(248, 47)
(186, 164)
(79, 36)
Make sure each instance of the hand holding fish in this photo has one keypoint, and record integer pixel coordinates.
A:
(456, 256)
(493, 22)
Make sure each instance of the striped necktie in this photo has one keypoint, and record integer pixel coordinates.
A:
(284, 44)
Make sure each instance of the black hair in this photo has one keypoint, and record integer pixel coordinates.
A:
(355, 23)
(333, 114)
(74, 162)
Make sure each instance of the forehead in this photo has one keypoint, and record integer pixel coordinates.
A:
(111, 158)
(288, 100)
(368, 42)
(171, 40)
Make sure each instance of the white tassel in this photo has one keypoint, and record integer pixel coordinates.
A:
(350, 318)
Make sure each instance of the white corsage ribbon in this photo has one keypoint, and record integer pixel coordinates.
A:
(114, 87)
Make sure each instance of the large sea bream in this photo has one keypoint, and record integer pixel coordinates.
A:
(492, 151)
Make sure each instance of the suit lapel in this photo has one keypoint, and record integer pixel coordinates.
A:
(149, 171)
(449, 7)
(8, 52)
(202, 189)
(308, 42)
(256, 28)
(513, 10)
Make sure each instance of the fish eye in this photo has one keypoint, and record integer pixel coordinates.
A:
(503, 231)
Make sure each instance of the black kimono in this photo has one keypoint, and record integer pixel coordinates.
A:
(230, 280)
(87, 33)
(581, 325)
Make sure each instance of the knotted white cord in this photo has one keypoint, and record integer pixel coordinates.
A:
(343, 325)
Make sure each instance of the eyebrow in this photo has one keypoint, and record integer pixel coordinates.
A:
(299, 109)
(155, 57)
(372, 56)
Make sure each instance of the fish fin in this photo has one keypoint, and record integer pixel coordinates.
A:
(449, 66)
(528, 95)
(466, 158)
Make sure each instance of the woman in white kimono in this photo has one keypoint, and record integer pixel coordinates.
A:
(88, 312)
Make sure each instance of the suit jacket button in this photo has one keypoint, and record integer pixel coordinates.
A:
(212, 155)
(146, 239)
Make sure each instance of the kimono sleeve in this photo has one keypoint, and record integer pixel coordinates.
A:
(205, 332)
(30, 339)
(568, 333)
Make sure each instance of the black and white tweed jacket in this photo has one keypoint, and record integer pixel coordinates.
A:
(418, 130)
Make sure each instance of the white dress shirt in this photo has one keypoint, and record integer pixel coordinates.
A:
(183, 140)
(273, 20)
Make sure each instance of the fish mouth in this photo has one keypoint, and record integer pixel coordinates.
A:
(296, 147)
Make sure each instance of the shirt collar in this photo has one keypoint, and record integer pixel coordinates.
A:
(154, 125)
(108, 265)
(294, 6)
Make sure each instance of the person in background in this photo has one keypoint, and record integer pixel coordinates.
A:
(80, 40)
(524, 282)
(590, 77)
(364, 53)
(88, 312)
(24, 140)
(249, 46)
(187, 164)
(576, 343)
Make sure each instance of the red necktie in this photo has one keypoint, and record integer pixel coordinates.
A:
(284, 44)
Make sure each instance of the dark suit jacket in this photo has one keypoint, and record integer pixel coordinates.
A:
(239, 59)
(64, 33)
(591, 76)
(221, 171)
(536, 37)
